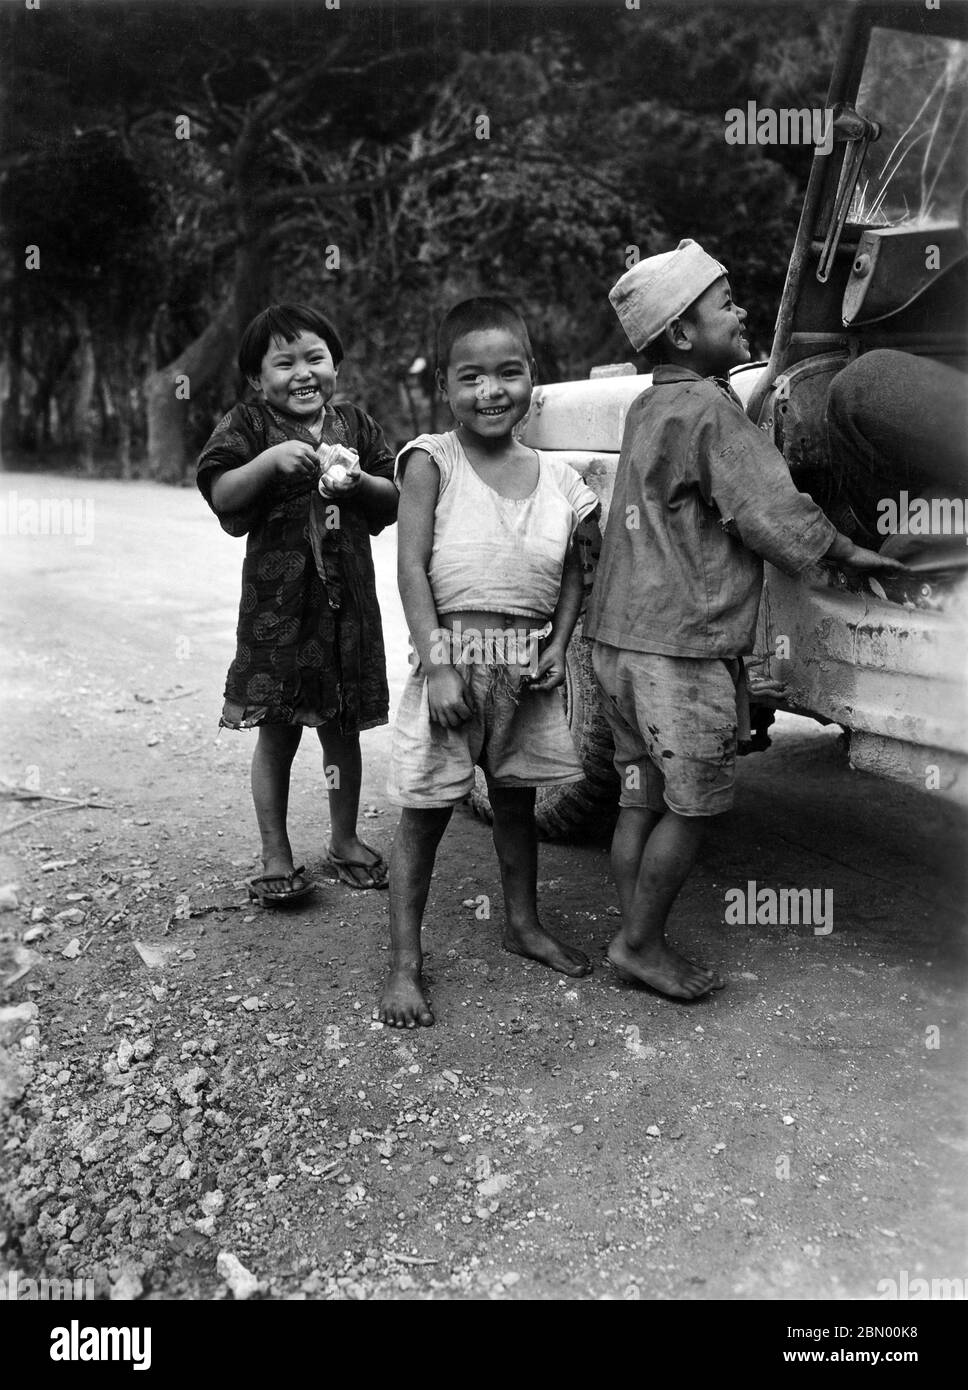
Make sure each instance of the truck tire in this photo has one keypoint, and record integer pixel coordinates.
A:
(582, 810)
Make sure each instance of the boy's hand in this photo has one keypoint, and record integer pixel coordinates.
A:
(869, 561)
(551, 669)
(449, 696)
(293, 459)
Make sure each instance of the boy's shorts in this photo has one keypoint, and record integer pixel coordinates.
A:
(674, 721)
(519, 737)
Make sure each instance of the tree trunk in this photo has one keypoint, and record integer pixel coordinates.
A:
(50, 376)
(5, 410)
(81, 424)
(119, 352)
(10, 385)
(123, 404)
(202, 362)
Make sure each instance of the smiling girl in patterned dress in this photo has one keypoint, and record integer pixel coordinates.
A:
(309, 641)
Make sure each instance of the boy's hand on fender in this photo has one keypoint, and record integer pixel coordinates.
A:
(551, 669)
(294, 459)
(449, 697)
(870, 561)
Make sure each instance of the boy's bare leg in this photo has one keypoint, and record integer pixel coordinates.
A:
(271, 767)
(344, 775)
(404, 1004)
(516, 842)
(652, 855)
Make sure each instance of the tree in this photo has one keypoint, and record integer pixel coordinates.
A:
(281, 151)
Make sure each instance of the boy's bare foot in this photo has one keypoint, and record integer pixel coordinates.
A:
(404, 1004)
(663, 969)
(537, 944)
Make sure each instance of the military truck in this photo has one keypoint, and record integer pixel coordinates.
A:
(879, 261)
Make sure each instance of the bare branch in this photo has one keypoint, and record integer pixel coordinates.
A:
(283, 197)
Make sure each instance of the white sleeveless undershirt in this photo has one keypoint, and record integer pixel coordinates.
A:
(493, 553)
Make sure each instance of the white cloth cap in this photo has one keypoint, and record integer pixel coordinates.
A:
(661, 287)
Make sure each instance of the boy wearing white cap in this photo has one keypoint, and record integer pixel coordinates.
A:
(701, 497)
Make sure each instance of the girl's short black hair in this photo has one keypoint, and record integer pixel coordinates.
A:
(476, 316)
(285, 321)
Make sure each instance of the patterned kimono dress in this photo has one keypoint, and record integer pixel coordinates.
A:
(309, 639)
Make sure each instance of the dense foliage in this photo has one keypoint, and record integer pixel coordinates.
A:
(177, 165)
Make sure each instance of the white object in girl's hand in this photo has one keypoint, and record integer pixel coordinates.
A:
(339, 466)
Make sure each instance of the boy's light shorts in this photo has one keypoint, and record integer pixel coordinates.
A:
(674, 721)
(519, 737)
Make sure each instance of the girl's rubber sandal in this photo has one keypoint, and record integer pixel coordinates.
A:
(266, 897)
(341, 870)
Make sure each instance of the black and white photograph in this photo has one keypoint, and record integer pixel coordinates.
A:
(484, 775)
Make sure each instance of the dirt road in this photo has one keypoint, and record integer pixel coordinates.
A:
(190, 1079)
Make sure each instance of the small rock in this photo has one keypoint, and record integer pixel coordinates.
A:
(14, 1019)
(71, 917)
(493, 1187)
(35, 934)
(188, 1085)
(72, 950)
(788, 1120)
(13, 1081)
(39, 914)
(242, 1283)
(251, 1003)
(125, 1054)
(127, 1287)
(580, 1129)
(212, 1202)
(155, 957)
(159, 1122)
(15, 961)
(654, 1132)
(9, 902)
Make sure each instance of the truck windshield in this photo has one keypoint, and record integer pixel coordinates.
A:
(916, 87)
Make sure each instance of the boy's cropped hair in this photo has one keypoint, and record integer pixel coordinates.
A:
(660, 352)
(284, 321)
(476, 316)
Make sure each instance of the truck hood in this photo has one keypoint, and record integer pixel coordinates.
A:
(589, 415)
